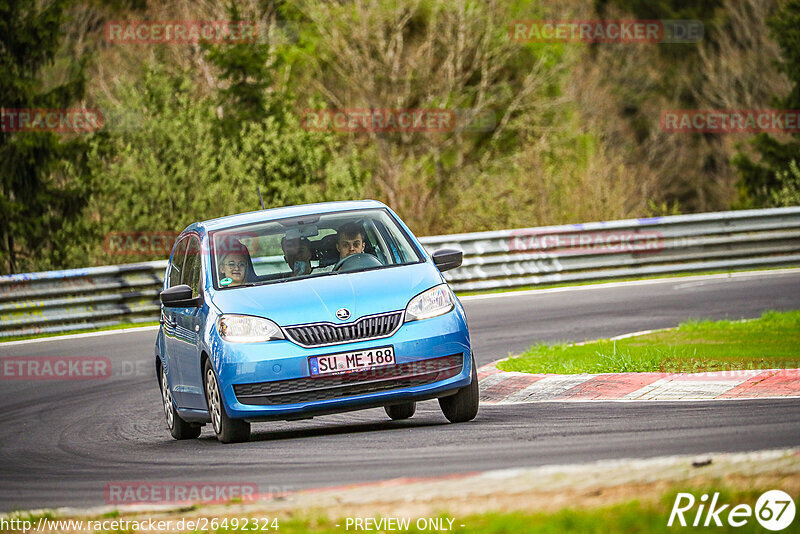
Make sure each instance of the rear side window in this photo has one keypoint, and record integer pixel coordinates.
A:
(191, 267)
(176, 265)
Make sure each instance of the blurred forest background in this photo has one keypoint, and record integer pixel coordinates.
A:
(191, 130)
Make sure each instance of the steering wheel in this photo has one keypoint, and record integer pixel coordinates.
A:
(360, 260)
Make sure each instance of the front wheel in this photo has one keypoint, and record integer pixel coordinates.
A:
(178, 428)
(228, 430)
(463, 406)
(401, 411)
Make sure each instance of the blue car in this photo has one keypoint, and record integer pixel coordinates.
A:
(294, 312)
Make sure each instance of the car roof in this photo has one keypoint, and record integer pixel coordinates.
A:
(281, 213)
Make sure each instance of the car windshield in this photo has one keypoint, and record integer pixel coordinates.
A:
(308, 246)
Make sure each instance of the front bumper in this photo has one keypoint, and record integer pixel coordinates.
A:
(250, 368)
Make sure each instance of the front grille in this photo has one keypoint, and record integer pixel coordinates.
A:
(370, 327)
(401, 375)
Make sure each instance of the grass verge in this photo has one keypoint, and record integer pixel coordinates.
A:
(771, 342)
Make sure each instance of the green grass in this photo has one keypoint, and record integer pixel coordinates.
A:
(771, 342)
(82, 331)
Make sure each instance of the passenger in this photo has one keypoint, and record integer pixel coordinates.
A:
(234, 264)
(350, 240)
(297, 253)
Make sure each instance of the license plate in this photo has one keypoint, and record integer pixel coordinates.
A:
(346, 362)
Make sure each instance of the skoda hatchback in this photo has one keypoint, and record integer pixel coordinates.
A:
(294, 312)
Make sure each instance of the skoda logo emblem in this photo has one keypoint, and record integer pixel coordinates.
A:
(343, 314)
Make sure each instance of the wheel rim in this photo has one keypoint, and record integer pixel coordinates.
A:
(212, 396)
(166, 396)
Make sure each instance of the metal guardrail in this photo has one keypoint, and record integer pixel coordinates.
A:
(57, 301)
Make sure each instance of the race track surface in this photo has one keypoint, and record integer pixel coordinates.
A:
(63, 441)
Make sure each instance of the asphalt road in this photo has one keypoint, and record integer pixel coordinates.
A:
(62, 442)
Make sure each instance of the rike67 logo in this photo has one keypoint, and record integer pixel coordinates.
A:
(774, 510)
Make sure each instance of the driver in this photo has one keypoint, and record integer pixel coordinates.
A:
(350, 240)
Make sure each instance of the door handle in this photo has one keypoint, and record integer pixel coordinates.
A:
(169, 322)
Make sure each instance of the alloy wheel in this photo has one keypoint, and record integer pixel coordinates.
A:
(212, 396)
(166, 396)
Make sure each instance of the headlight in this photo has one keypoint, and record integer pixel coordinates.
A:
(435, 301)
(248, 329)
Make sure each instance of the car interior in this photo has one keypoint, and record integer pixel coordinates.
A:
(324, 254)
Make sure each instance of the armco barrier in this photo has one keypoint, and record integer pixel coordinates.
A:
(57, 301)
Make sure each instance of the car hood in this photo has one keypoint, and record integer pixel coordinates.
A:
(316, 299)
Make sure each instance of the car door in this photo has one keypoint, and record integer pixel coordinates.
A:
(188, 328)
(169, 319)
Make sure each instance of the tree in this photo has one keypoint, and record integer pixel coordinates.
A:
(452, 56)
(763, 180)
(38, 200)
(175, 167)
(288, 163)
(247, 69)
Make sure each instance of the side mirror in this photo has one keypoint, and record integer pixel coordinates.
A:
(447, 258)
(180, 297)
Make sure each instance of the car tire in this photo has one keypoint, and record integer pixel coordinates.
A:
(401, 411)
(463, 406)
(227, 430)
(178, 428)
